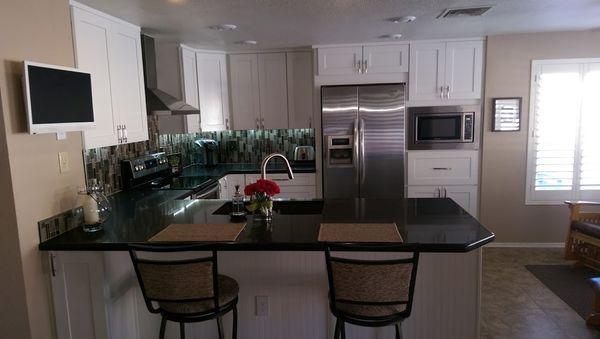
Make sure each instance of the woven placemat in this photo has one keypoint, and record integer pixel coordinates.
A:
(386, 232)
(199, 232)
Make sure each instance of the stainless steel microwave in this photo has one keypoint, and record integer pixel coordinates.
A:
(444, 127)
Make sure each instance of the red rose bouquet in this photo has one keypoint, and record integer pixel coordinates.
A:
(261, 196)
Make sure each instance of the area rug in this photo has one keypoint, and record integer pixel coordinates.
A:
(568, 283)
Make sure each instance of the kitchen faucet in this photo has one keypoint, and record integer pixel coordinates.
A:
(263, 166)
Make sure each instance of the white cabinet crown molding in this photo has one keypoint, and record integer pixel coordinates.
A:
(102, 14)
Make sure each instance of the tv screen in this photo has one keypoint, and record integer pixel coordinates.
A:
(58, 99)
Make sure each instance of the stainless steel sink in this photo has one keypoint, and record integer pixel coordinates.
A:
(284, 207)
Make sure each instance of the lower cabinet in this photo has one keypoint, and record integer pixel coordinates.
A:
(303, 186)
(465, 196)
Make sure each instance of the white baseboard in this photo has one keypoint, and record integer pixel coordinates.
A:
(527, 244)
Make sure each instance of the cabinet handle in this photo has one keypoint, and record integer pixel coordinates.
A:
(52, 266)
(119, 134)
(309, 122)
(365, 67)
(441, 92)
(359, 68)
(257, 124)
(448, 92)
(437, 189)
(227, 124)
(262, 123)
(442, 168)
(124, 132)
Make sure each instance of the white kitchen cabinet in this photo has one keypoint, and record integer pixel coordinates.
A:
(448, 167)
(442, 71)
(300, 89)
(385, 59)
(464, 195)
(339, 60)
(303, 186)
(362, 60)
(189, 86)
(111, 51)
(272, 79)
(78, 295)
(213, 91)
(244, 84)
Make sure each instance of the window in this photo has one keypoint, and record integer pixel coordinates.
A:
(563, 158)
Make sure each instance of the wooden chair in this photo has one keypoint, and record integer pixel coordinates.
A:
(185, 290)
(371, 293)
(583, 239)
(593, 319)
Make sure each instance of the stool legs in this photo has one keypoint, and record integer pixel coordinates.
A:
(398, 331)
(220, 328)
(163, 324)
(336, 333)
(182, 330)
(234, 335)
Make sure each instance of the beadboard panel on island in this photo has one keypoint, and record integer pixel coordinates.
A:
(248, 146)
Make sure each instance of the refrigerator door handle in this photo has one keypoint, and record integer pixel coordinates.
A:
(356, 154)
(361, 131)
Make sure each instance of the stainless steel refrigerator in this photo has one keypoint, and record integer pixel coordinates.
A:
(363, 141)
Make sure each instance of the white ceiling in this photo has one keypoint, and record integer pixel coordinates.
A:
(294, 23)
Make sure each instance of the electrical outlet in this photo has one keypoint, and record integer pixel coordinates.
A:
(63, 162)
(262, 306)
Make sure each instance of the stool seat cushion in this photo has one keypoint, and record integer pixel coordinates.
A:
(228, 291)
(587, 228)
(369, 310)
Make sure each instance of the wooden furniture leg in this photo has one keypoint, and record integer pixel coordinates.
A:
(593, 319)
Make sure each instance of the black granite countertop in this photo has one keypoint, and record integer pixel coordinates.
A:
(433, 225)
(222, 170)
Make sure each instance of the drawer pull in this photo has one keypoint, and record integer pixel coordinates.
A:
(442, 168)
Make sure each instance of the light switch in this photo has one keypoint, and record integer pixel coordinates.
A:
(262, 306)
(63, 162)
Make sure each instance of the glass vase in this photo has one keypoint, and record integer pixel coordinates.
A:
(96, 207)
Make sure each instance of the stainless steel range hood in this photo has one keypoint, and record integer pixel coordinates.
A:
(159, 102)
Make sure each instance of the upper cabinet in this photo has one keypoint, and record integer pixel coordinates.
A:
(362, 60)
(271, 90)
(443, 71)
(300, 89)
(204, 86)
(110, 50)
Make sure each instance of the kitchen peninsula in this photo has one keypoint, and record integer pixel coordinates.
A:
(96, 293)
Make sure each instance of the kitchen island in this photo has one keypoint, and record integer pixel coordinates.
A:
(96, 293)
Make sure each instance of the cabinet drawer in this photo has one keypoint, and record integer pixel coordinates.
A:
(297, 192)
(442, 167)
(300, 179)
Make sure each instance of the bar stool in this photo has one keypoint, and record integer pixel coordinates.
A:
(371, 293)
(185, 290)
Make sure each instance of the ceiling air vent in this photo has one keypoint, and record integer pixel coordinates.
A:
(464, 11)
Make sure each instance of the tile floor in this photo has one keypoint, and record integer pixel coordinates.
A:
(516, 305)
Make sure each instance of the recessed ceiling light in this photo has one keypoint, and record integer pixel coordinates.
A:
(391, 36)
(402, 19)
(223, 27)
(246, 42)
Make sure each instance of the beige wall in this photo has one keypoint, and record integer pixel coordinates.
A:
(508, 72)
(39, 31)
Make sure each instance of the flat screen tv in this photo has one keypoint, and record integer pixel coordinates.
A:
(57, 99)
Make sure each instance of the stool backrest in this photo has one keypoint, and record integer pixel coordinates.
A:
(181, 280)
(379, 282)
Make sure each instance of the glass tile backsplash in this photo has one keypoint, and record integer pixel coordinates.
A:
(234, 147)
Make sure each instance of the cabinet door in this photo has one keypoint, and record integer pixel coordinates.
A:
(464, 63)
(273, 90)
(92, 36)
(424, 192)
(465, 196)
(300, 89)
(339, 60)
(212, 88)
(245, 105)
(190, 88)
(78, 294)
(385, 59)
(127, 82)
(426, 76)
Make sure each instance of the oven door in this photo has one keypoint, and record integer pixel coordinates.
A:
(436, 128)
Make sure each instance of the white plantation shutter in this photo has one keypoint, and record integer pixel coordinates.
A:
(564, 132)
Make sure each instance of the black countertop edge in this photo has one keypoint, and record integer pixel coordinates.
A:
(283, 247)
